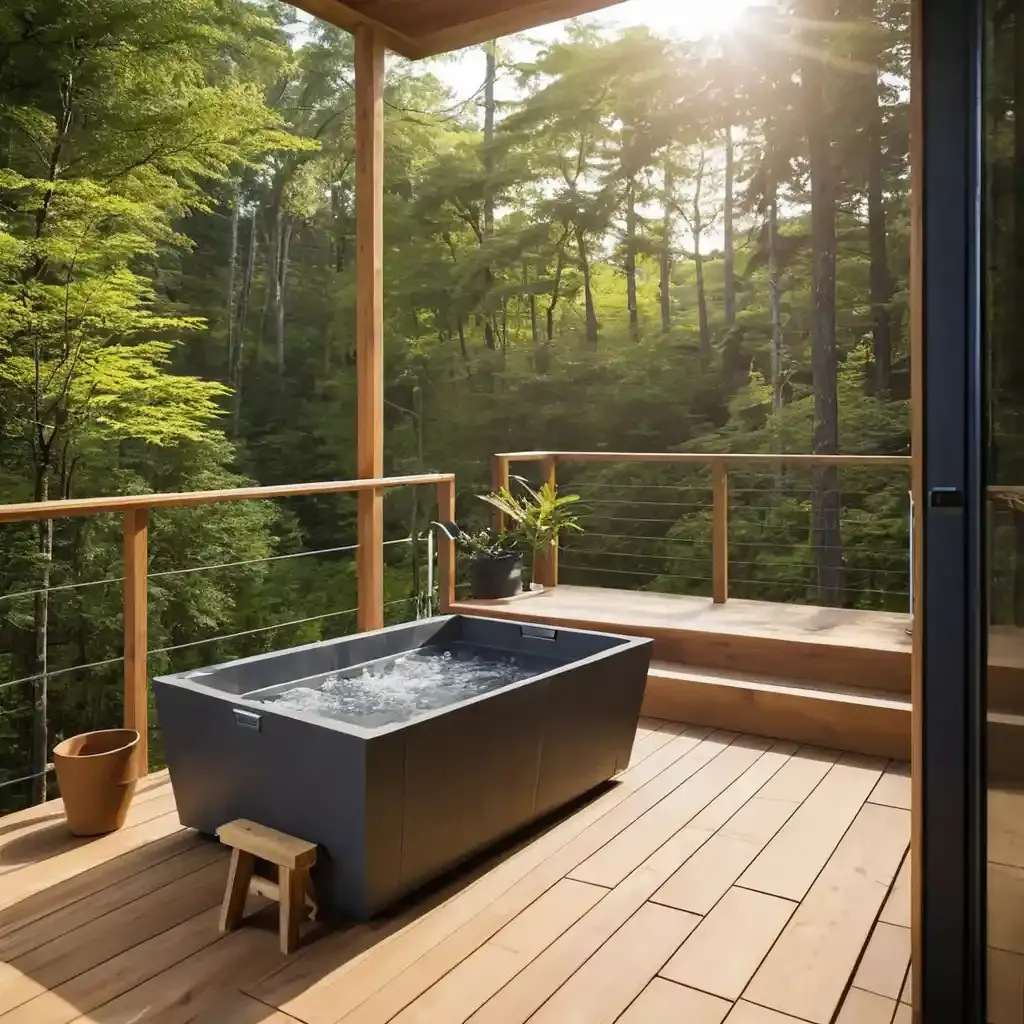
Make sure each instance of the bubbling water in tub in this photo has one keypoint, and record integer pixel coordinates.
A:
(400, 687)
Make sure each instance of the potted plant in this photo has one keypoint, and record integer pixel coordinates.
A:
(540, 517)
(495, 561)
(96, 774)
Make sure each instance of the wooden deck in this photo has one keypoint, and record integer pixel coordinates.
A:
(722, 877)
(658, 614)
(833, 677)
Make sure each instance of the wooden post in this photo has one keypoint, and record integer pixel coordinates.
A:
(720, 534)
(499, 480)
(369, 114)
(546, 571)
(136, 639)
(445, 548)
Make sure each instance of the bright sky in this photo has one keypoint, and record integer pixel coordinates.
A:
(688, 19)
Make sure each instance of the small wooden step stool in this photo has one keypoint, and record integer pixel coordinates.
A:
(249, 842)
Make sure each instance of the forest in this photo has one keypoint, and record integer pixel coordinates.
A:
(622, 240)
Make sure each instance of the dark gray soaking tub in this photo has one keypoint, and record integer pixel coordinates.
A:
(507, 722)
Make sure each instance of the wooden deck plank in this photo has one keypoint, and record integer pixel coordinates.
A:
(1006, 907)
(465, 989)
(665, 1002)
(727, 947)
(897, 905)
(238, 1008)
(893, 788)
(16, 822)
(119, 870)
(883, 967)
(807, 970)
(81, 914)
(32, 848)
(1005, 987)
(631, 847)
(21, 885)
(646, 743)
(860, 1007)
(525, 994)
(201, 986)
(750, 1013)
(789, 864)
(1006, 826)
(620, 970)
(321, 982)
(52, 964)
(703, 879)
(108, 980)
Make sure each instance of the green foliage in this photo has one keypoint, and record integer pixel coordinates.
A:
(540, 517)
(177, 307)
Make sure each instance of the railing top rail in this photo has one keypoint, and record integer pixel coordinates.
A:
(713, 459)
(130, 502)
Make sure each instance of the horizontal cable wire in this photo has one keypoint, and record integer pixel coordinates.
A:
(26, 778)
(61, 672)
(191, 569)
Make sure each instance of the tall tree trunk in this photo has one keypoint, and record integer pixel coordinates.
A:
(489, 81)
(243, 317)
(773, 296)
(880, 279)
(730, 255)
(634, 315)
(39, 686)
(697, 231)
(665, 256)
(270, 287)
(827, 539)
(279, 291)
(232, 264)
(588, 291)
(549, 313)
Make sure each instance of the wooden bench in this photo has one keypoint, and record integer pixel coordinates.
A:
(249, 842)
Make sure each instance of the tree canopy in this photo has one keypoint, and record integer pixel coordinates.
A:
(622, 240)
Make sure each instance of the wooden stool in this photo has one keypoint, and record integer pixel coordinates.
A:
(293, 857)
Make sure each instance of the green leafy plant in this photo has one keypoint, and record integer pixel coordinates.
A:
(488, 544)
(540, 517)
(482, 544)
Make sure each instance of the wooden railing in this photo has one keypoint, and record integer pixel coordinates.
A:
(135, 510)
(546, 572)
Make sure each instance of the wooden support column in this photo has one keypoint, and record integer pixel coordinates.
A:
(720, 534)
(546, 571)
(136, 636)
(369, 109)
(446, 549)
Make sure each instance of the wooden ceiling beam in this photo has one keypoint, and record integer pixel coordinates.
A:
(334, 12)
(477, 28)
(521, 18)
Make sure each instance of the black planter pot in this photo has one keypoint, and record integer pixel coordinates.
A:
(496, 576)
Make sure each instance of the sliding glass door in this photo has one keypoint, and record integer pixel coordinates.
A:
(1003, 361)
(969, 674)
(950, 445)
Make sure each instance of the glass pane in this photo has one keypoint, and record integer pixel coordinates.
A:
(1004, 353)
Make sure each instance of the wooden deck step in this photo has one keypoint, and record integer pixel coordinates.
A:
(842, 646)
(830, 715)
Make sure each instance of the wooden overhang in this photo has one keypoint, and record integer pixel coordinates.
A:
(424, 28)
